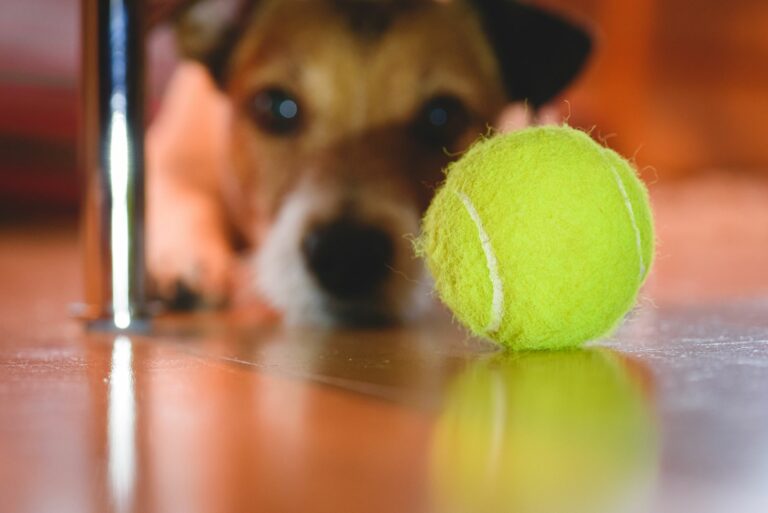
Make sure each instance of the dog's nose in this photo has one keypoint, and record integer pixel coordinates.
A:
(348, 259)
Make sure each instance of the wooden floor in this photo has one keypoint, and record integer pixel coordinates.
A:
(211, 413)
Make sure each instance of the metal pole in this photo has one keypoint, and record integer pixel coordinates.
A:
(113, 162)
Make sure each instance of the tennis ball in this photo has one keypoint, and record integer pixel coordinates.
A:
(539, 239)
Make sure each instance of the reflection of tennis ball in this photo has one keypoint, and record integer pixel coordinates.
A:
(539, 238)
(545, 432)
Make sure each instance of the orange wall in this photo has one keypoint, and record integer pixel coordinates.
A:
(684, 83)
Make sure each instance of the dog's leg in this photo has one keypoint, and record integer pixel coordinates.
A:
(189, 252)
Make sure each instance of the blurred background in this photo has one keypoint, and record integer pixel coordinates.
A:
(682, 85)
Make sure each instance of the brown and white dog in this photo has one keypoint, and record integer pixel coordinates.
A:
(312, 134)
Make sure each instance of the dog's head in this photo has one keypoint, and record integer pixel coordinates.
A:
(345, 112)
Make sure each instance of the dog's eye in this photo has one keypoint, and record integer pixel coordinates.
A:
(441, 121)
(275, 111)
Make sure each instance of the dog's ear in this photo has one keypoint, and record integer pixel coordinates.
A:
(208, 30)
(539, 53)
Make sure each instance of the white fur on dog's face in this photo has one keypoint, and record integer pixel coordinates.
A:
(283, 278)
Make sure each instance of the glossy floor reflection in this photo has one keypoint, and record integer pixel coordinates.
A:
(546, 433)
(210, 415)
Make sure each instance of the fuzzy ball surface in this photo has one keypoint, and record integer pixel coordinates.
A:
(539, 239)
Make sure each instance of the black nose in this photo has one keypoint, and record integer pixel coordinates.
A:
(348, 259)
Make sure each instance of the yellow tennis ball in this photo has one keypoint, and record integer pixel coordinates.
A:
(539, 238)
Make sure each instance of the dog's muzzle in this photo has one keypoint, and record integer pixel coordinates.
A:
(348, 259)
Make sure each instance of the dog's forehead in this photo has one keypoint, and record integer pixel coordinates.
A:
(289, 22)
(371, 18)
(366, 18)
(382, 56)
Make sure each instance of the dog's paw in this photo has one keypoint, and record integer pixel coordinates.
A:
(190, 277)
(189, 258)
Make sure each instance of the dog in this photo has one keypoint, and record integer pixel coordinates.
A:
(310, 135)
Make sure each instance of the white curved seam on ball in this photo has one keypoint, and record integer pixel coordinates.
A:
(632, 218)
(497, 303)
